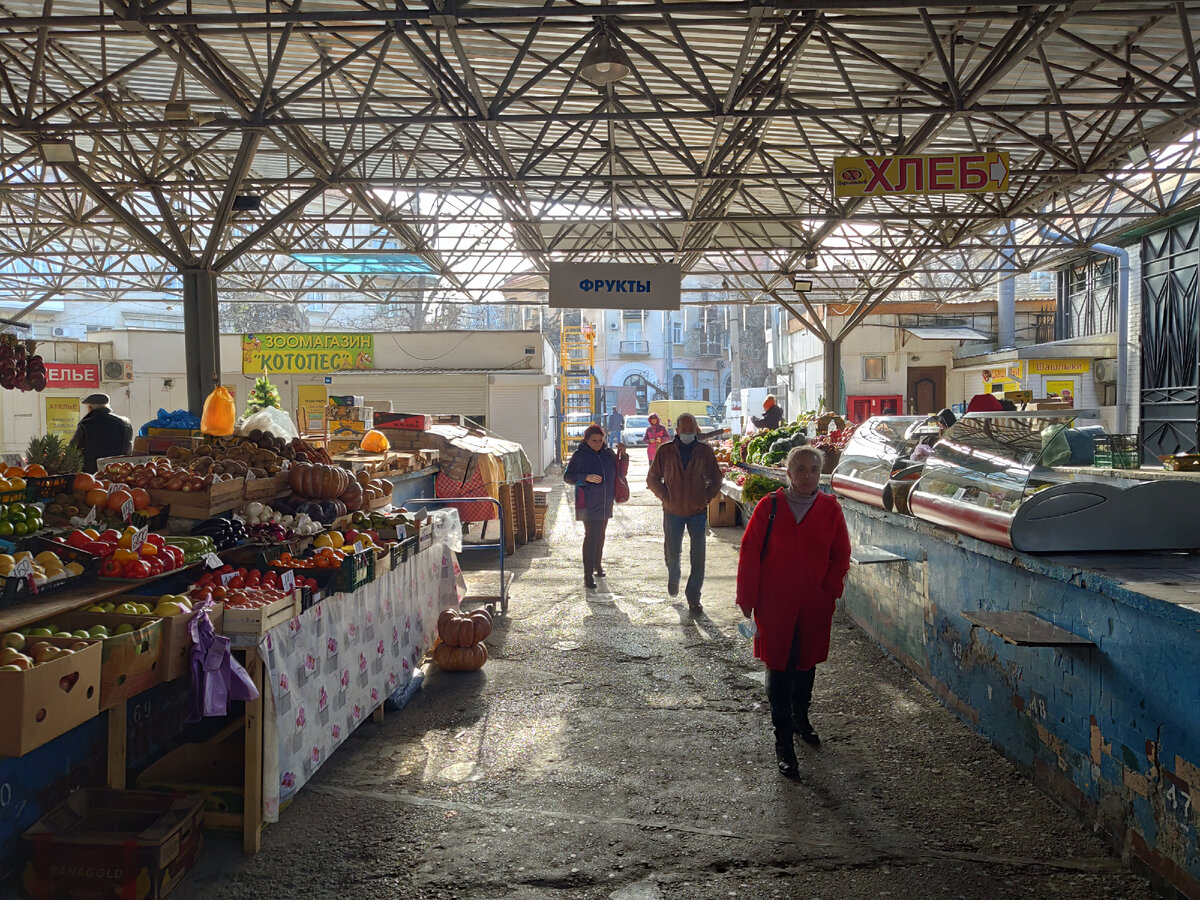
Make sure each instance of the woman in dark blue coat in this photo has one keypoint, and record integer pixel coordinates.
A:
(593, 469)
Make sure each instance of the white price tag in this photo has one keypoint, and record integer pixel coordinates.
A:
(112, 486)
(139, 538)
(23, 568)
(960, 493)
(213, 561)
(127, 510)
(250, 476)
(90, 519)
(287, 581)
(227, 577)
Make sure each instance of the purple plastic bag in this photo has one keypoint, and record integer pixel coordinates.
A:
(217, 677)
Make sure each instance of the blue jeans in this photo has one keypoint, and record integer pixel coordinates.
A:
(673, 527)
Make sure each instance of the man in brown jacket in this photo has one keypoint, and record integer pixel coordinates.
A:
(685, 477)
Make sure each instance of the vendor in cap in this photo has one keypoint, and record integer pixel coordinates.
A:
(771, 417)
(102, 433)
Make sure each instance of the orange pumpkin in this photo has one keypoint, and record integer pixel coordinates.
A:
(374, 442)
(460, 659)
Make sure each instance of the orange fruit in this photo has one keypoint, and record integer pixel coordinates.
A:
(85, 482)
(117, 499)
(33, 470)
(141, 499)
(97, 497)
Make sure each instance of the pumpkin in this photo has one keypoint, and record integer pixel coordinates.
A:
(460, 659)
(482, 623)
(353, 496)
(458, 629)
(374, 442)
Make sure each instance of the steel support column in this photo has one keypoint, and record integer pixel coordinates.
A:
(834, 401)
(201, 335)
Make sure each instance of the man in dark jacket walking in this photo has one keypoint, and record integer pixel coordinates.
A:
(616, 424)
(685, 477)
(101, 433)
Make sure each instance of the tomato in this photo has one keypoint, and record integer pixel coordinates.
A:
(138, 568)
(237, 581)
(110, 568)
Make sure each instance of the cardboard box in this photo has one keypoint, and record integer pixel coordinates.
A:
(46, 701)
(403, 421)
(214, 772)
(129, 663)
(346, 400)
(108, 843)
(351, 413)
(722, 512)
(380, 406)
(176, 656)
(348, 428)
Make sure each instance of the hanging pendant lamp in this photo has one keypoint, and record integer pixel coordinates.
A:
(605, 61)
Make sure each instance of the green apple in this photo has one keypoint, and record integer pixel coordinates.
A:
(123, 628)
(142, 609)
(39, 632)
(107, 606)
(11, 669)
(95, 607)
(128, 609)
(15, 639)
(65, 634)
(80, 633)
(98, 631)
(169, 608)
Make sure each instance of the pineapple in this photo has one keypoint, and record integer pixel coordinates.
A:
(55, 455)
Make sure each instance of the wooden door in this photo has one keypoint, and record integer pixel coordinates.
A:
(926, 389)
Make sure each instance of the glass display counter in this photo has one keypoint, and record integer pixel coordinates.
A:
(865, 469)
(993, 476)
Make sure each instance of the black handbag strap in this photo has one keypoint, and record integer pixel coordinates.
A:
(770, 525)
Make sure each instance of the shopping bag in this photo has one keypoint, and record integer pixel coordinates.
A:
(219, 413)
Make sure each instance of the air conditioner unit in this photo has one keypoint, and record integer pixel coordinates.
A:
(1105, 371)
(119, 370)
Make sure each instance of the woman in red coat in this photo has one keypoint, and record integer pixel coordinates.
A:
(794, 557)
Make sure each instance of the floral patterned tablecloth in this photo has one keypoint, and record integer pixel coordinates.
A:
(329, 668)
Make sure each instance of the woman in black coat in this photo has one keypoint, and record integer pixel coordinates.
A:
(593, 469)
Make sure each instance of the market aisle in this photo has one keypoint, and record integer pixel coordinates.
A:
(612, 747)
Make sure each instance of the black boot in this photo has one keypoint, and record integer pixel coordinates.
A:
(779, 693)
(801, 700)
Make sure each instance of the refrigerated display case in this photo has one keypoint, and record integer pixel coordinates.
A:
(988, 477)
(865, 468)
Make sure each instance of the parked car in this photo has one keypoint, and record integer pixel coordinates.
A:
(634, 433)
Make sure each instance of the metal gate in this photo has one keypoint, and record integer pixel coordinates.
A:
(1170, 339)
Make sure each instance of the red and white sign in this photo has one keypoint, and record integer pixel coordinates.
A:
(72, 375)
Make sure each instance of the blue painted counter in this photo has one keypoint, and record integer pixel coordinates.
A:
(1111, 731)
(413, 484)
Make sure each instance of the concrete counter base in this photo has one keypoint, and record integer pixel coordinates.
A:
(1111, 731)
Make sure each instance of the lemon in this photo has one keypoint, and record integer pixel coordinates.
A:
(75, 569)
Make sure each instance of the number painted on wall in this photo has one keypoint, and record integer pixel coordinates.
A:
(1180, 800)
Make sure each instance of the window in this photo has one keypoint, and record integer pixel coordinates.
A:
(633, 331)
(706, 394)
(874, 368)
(677, 387)
(676, 332)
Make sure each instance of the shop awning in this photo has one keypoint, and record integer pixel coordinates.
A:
(947, 333)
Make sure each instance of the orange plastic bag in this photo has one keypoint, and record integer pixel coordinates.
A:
(374, 442)
(219, 413)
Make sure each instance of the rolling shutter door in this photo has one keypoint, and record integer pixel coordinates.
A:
(464, 395)
(513, 414)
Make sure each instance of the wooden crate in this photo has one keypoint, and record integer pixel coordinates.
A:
(260, 621)
(267, 488)
(220, 497)
(508, 518)
(526, 489)
(522, 523)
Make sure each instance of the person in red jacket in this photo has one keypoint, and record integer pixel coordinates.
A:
(794, 558)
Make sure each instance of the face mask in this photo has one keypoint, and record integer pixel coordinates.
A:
(687, 438)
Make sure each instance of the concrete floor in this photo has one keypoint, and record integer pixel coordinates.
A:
(613, 747)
